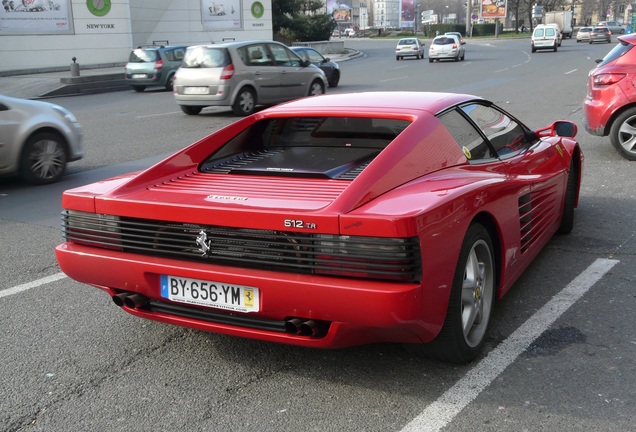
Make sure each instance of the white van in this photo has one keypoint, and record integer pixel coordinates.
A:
(349, 32)
(545, 37)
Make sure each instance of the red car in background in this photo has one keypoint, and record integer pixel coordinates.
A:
(610, 102)
(333, 221)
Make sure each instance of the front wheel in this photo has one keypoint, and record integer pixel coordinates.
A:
(470, 304)
(317, 88)
(245, 102)
(43, 158)
(335, 79)
(623, 134)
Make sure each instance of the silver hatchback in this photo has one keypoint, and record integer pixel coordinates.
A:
(37, 139)
(242, 75)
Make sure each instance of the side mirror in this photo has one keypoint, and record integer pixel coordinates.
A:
(326, 60)
(304, 63)
(597, 61)
(562, 128)
(565, 129)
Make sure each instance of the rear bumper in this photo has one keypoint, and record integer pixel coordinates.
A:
(354, 311)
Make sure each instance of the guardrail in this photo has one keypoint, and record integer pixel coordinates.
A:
(324, 47)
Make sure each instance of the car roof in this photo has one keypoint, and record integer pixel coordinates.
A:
(373, 103)
(237, 44)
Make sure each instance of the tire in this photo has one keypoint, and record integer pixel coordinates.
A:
(534, 50)
(245, 102)
(43, 158)
(170, 83)
(567, 219)
(430, 60)
(463, 56)
(335, 79)
(397, 58)
(316, 88)
(555, 48)
(191, 110)
(470, 304)
(623, 134)
(139, 89)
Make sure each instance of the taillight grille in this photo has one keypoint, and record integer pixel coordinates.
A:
(396, 259)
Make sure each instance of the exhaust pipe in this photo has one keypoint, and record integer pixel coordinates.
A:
(293, 325)
(134, 301)
(131, 300)
(311, 328)
(119, 299)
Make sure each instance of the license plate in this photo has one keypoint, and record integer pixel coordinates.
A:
(195, 90)
(238, 298)
(137, 76)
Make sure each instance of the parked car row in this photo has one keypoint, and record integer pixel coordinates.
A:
(240, 75)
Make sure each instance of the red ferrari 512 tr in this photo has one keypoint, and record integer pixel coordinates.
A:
(333, 221)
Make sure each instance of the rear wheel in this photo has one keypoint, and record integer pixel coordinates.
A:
(430, 60)
(316, 88)
(245, 102)
(170, 83)
(567, 219)
(471, 302)
(191, 110)
(139, 89)
(623, 134)
(43, 158)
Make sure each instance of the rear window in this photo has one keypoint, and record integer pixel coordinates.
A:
(205, 57)
(619, 50)
(141, 55)
(305, 146)
(443, 41)
(407, 42)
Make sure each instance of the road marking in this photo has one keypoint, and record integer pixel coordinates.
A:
(157, 115)
(33, 284)
(441, 412)
(569, 72)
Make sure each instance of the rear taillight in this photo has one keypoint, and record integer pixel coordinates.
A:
(228, 72)
(607, 79)
(159, 64)
(454, 46)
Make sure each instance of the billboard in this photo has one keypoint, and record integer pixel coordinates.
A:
(222, 16)
(407, 13)
(493, 9)
(36, 17)
(340, 11)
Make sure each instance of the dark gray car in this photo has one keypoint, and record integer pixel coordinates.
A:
(328, 66)
(153, 66)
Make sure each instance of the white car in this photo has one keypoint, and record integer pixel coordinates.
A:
(446, 47)
(409, 47)
(544, 37)
(37, 139)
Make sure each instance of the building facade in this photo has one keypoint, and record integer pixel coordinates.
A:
(40, 34)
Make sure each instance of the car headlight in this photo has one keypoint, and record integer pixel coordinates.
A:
(63, 112)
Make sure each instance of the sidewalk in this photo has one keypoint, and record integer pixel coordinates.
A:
(90, 81)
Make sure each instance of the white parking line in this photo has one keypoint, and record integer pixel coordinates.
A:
(441, 412)
(32, 284)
